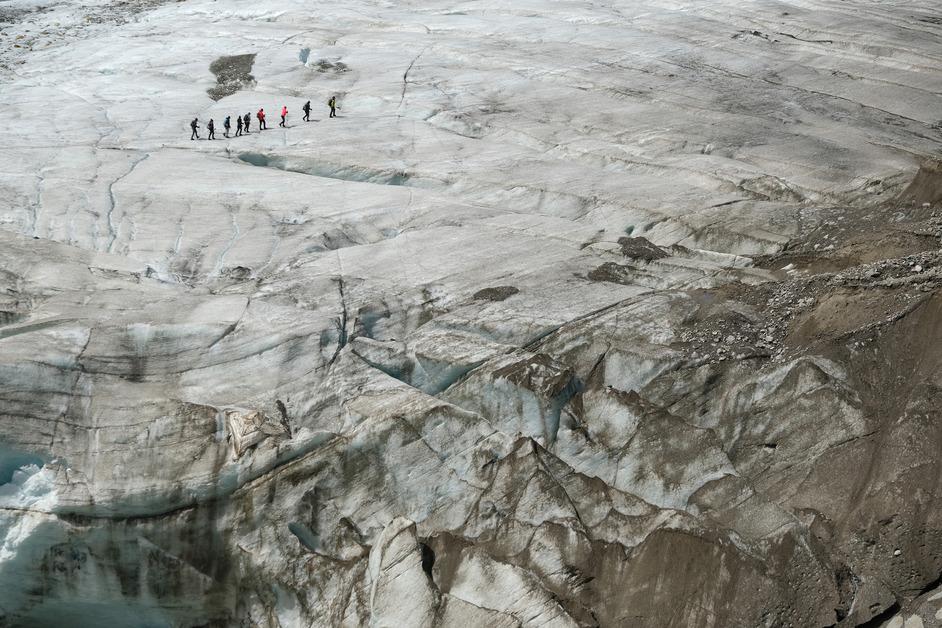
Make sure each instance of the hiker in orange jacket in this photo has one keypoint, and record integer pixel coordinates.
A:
(284, 114)
(261, 119)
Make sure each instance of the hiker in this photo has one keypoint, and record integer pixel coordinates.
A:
(212, 130)
(245, 122)
(195, 125)
(226, 125)
(284, 114)
(238, 126)
(261, 119)
(332, 103)
(307, 111)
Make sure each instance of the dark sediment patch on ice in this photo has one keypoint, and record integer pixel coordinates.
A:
(769, 188)
(232, 74)
(497, 293)
(330, 171)
(613, 273)
(641, 248)
(861, 248)
(237, 273)
(330, 67)
(926, 187)
(10, 15)
(838, 238)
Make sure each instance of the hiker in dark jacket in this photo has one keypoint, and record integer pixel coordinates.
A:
(332, 103)
(212, 130)
(226, 125)
(245, 122)
(195, 125)
(238, 126)
(307, 111)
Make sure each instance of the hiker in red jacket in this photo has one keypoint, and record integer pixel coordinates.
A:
(261, 119)
(284, 114)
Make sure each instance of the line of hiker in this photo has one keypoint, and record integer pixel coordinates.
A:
(243, 122)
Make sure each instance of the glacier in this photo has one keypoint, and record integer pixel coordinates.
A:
(578, 314)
